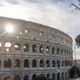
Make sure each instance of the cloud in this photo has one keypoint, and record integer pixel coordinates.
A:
(33, 1)
(12, 1)
(54, 13)
(42, 1)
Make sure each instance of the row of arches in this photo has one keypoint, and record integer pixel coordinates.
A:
(53, 76)
(36, 48)
(42, 63)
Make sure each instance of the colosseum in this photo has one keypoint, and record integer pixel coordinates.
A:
(33, 49)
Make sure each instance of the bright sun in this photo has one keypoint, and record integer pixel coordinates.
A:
(9, 28)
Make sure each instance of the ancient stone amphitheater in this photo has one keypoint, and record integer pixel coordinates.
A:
(33, 49)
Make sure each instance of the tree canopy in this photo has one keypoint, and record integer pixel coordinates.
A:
(74, 72)
(40, 77)
(78, 40)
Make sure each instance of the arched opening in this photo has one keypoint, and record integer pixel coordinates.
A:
(65, 63)
(53, 63)
(0, 63)
(17, 46)
(7, 78)
(66, 76)
(17, 63)
(62, 63)
(47, 49)
(47, 63)
(64, 52)
(17, 77)
(34, 76)
(58, 63)
(0, 46)
(34, 48)
(41, 64)
(57, 51)
(58, 76)
(26, 48)
(61, 51)
(53, 50)
(70, 63)
(67, 52)
(26, 63)
(34, 64)
(48, 76)
(26, 77)
(7, 63)
(8, 46)
(41, 49)
(62, 76)
(53, 76)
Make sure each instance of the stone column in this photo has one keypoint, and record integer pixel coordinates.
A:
(37, 48)
(56, 63)
(2, 64)
(59, 51)
(51, 63)
(38, 61)
(22, 63)
(44, 49)
(30, 49)
(60, 63)
(30, 63)
(12, 48)
(64, 76)
(50, 50)
(55, 51)
(22, 48)
(3, 47)
(44, 63)
(30, 76)
(12, 65)
(55, 76)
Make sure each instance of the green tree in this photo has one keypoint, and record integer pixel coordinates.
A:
(40, 77)
(78, 40)
(74, 72)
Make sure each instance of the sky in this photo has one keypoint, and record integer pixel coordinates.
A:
(59, 14)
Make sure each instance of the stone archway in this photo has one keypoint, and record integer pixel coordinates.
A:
(34, 75)
(8, 78)
(17, 77)
(26, 77)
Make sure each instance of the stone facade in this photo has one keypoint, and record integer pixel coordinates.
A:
(33, 49)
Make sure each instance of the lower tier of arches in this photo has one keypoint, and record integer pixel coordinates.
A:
(30, 76)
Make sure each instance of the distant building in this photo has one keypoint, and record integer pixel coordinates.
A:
(33, 49)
